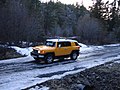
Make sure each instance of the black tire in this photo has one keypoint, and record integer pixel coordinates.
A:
(74, 55)
(48, 58)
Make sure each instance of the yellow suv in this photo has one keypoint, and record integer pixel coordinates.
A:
(56, 48)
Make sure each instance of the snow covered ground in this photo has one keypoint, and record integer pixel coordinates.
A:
(90, 56)
(23, 51)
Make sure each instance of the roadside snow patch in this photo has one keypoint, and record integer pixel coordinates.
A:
(22, 51)
(44, 88)
(118, 59)
(38, 88)
(113, 45)
(89, 49)
(82, 45)
(86, 49)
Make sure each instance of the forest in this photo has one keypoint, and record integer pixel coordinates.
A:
(34, 21)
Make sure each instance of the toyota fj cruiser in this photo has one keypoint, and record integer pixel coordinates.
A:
(56, 48)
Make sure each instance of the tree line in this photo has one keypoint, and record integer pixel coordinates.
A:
(33, 21)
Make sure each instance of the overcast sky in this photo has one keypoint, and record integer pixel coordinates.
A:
(86, 3)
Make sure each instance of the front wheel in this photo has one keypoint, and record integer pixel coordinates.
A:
(74, 55)
(49, 58)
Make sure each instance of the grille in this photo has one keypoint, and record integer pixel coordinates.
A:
(35, 51)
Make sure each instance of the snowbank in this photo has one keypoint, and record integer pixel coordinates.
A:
(82, 45)
(38, 88)
(87, 49)
(22, 51)
(113, 45)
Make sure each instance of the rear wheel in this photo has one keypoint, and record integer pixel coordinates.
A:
(49, 58)
(74, 55)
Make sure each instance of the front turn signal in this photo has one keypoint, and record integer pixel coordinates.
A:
(42, 52)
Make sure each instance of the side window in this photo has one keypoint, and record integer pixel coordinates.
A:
(66, 44)
(76, 44)
(50, 43)
(63, 44)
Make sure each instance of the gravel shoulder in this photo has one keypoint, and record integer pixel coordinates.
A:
(103, 77)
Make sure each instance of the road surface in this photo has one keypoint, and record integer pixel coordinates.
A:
(16, 74)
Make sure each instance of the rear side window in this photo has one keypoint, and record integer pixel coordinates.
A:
(64, 44)
(76, 44)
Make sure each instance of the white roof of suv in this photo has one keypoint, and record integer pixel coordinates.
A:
(61, 40)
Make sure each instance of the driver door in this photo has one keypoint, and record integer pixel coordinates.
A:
(62, 49)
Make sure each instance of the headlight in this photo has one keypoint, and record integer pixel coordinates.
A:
(39, 51)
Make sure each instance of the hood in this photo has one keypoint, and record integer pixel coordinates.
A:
(43, 48)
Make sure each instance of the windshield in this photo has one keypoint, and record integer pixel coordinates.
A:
(50, 43)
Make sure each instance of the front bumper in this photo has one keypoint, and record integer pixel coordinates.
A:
(37, 55)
